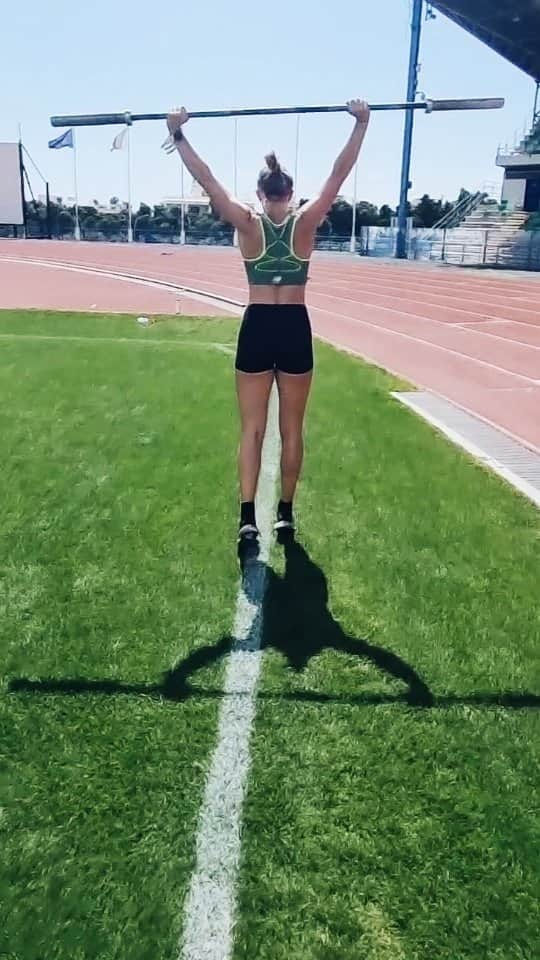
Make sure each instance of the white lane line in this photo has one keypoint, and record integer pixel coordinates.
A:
(389, 331)
(447, 324)
(496, 336)
(511, 389)
(208, 345)
(213, 299)
(478, 323)
(420, 385)
(484, 316)
(209, 910)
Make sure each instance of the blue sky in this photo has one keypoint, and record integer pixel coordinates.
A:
(61, 57)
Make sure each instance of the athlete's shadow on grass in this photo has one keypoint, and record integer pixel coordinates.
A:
(297, 623)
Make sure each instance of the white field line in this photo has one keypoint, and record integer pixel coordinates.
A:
(209, 345)
(209, 911)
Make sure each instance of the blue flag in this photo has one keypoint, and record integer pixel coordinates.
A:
(64, 140)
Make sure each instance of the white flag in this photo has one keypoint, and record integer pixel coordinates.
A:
(118, 141)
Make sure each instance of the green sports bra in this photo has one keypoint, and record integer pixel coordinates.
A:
(278, 263)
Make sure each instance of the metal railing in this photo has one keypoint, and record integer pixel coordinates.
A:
(460, 211)
(519, 253)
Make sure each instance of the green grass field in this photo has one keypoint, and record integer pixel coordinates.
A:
(392, 810)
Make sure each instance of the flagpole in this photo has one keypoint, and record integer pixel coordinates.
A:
(75, 182)
(182, 207)
(130, 225)
(235, 157)
(296, 153)
(21, 173)
(353, 226)
(235, 172)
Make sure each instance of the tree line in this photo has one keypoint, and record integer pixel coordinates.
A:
(161, 222)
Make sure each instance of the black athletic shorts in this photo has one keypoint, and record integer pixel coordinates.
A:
(275, 337)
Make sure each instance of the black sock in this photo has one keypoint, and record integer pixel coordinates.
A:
(285, 510)
(247, 513)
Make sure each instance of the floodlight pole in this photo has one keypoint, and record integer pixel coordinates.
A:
(47, 192)
(412, 83)
(21, 175)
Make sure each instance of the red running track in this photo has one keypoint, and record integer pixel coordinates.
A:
(471, 337)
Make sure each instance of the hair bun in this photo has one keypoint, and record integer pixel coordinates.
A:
(272, 163)
(274, 182)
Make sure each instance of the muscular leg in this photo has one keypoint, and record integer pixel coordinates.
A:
(293, 396)
(253, 390)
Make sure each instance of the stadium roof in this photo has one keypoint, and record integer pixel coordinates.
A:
(510, 27)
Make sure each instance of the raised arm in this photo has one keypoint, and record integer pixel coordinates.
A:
(228, 208)
(316, 209)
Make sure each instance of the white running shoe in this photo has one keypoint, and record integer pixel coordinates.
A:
(247, 533)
